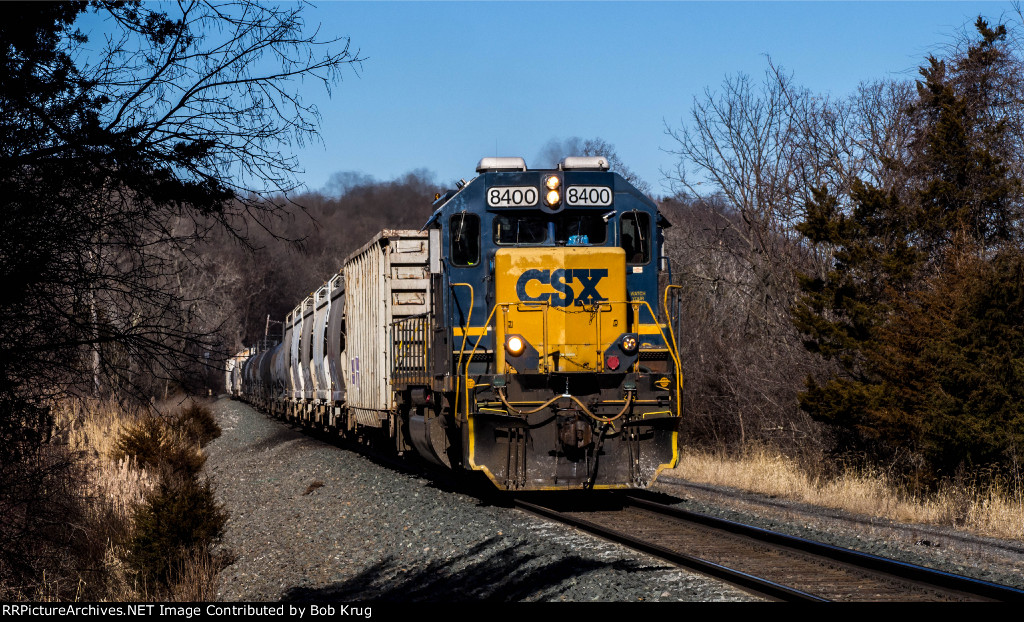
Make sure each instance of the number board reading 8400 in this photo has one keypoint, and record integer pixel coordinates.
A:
(512, 196)
(597, 196)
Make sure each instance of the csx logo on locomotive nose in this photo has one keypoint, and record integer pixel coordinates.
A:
(559, 280)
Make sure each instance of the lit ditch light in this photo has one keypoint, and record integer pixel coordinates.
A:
(521, 355)
(515, 345)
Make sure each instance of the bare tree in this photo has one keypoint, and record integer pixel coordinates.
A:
(329, 224)
(743, 157)
(741, 360)
(181, 123)
(116, 161)
(764, 146)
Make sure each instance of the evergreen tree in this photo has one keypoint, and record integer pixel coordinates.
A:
(844, 315)
(921, 309)
(964, 200)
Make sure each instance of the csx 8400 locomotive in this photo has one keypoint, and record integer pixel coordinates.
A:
(518, 334)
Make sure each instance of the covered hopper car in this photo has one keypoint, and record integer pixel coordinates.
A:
(520, 333)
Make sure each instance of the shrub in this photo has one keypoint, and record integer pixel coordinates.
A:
(178, 519)
(197, 422)
(155, 445)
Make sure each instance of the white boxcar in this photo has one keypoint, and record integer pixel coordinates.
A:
(386, 280)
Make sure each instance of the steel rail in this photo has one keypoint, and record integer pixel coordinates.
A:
(903, 570)
(957, 585)
(749, 582)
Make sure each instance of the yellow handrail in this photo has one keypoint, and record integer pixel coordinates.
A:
(462, 348)
(668, 318)
(672, 349)
(487, 323)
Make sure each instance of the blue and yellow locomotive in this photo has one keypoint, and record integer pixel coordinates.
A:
(520, 334)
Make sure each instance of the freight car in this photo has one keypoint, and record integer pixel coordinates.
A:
(519, 333)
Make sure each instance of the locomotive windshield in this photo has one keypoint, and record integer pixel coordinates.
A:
(580, 228)
(577, 228)
(515, 229)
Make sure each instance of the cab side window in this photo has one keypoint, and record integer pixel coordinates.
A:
(464, 238)
(635, 237)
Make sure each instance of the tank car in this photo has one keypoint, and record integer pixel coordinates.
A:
(519, 334)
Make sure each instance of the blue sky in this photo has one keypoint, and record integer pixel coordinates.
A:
(446, 83)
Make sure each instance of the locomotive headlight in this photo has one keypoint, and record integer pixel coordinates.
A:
(515, 345)
(552, 182)
(629, 344)
(553, 198)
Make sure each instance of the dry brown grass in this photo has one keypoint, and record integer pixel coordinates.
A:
(114, 488)
(992, 509)
(92, 428)
(197, 581)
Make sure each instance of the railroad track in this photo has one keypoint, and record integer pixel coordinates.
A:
(770, 564)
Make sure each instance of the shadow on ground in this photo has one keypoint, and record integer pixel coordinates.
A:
(280, 436)
(489, 571)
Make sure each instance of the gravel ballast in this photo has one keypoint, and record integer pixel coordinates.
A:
(947, 549)
(311, 521)
(371, 533)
